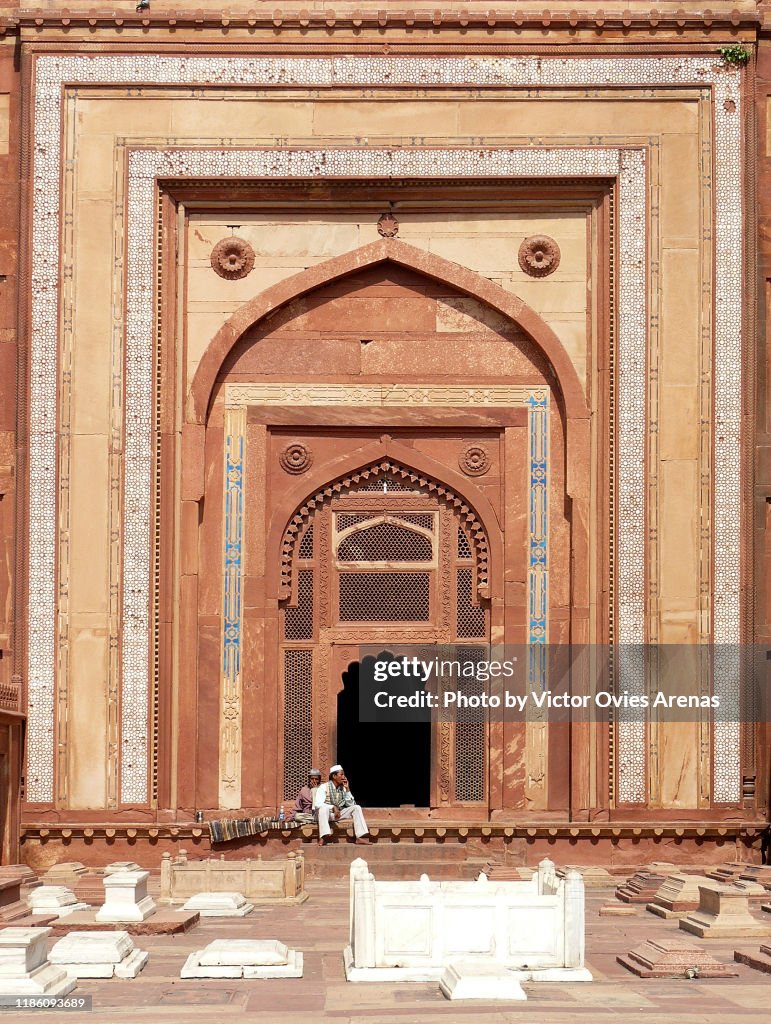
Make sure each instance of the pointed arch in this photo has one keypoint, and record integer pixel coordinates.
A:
(404, 255)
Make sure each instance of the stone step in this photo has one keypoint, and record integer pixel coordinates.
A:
(394, 870)
(342, 849)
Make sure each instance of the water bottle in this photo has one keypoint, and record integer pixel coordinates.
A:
(282, 815)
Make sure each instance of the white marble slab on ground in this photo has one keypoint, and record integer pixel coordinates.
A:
(244, 958)
(479, 979)
(99, 955)
(24, 966)
(219, 904)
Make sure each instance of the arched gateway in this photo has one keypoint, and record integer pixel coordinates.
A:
(389, 557)
(393, 444)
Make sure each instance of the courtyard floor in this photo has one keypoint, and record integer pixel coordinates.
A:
(319, 928)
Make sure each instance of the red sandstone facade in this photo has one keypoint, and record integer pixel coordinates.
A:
(255, 605)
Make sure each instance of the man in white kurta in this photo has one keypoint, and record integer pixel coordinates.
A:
(334, 802)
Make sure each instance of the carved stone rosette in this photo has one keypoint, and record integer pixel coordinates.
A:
(232, 258)
(387, 225)
(539, 256)
(296, 457)
(474, 460)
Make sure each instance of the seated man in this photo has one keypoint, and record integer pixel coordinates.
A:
(303, 805)
(335, 802)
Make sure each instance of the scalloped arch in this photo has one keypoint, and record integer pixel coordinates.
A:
(391, 467)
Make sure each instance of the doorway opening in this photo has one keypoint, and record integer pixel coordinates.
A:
(387, 763)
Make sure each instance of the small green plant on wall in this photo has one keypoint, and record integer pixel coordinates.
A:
(736, 54)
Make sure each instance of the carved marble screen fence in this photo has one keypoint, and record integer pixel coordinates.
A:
(626, 165)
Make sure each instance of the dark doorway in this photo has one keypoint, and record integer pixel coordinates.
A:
(388, 763)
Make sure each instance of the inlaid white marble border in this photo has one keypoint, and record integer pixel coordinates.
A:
(52, 72)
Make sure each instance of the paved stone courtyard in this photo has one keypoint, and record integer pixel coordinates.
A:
(319, 929)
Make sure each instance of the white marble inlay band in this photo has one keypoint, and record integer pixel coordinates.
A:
(52, 72)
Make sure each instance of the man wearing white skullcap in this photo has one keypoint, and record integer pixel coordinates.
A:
(334, 802)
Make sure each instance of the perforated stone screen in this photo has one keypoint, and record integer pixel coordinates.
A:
(385, 597)
(298, 620)
(471, 620)
(385, 542)
(298, 725)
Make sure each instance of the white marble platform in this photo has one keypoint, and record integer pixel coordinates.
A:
(46, 900)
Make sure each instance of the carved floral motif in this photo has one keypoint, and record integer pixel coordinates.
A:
(539, 256)
(474, 460)
(296, 457)
(232, 258)
(387, 225)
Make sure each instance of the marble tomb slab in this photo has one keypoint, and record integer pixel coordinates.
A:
(24, 966)
(475, 979)
(244, 958)
(219, 904)
(673, 958)
(103, 954)
(125, 898)
(723, 913)
(54, 900)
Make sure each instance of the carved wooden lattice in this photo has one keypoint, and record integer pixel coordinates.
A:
(305, 550)
(464, 548)
(470, 739)
(385, 477)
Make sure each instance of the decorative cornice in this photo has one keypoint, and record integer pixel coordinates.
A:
(677, 17)
(406, 832)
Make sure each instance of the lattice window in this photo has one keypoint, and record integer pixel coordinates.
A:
(346, 519)
(385, 542)
(464, 548)
(385, 597)
(470, 738)
(471, 619)
(298, 620)
(383, 484)
(424, 519)
(306, 544)
(298, 723)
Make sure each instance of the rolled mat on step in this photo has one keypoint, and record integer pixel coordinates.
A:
(225, 829)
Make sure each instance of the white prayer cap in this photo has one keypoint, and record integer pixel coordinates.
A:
(315, 771)
(335, 769)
